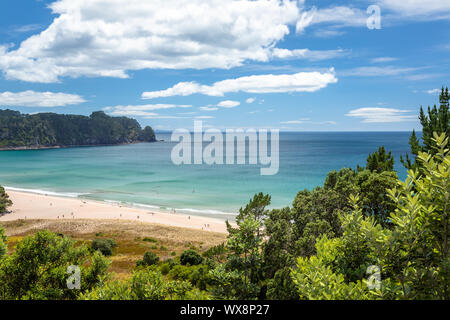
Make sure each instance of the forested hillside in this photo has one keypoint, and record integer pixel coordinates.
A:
(51, 130)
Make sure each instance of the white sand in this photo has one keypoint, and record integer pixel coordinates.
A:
(37, 206)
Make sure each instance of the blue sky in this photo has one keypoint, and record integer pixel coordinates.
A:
(293, 65)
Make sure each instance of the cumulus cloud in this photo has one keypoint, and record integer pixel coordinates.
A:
(382, 115)
(298, 82)
(31, 98)
(110, 37)
(250, 100)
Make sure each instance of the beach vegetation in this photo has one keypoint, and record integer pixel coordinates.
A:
(149, 259)
(105, 246)
(5, 202)
(37, 269)
(190, 257)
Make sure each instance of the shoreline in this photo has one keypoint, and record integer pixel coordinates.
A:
(32, 206)
(25, 148)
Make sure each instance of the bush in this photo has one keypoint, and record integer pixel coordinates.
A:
(149, 259)
(4, 200)
(148, 239)
(165, 268)
(3, 247)
(105, 246)
(190, 257)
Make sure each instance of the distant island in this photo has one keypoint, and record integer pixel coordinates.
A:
(50, 130)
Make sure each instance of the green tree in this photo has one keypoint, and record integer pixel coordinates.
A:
(380, 161)
(149, 259)
(418, 256)
(244, 253)
(37, 268)
(5, 202)
(3, 246)
(436, 120)
(411, 257)
(190, 257)
(145, 284)
(105, 246)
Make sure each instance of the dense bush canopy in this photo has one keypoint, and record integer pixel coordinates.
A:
(51, 129)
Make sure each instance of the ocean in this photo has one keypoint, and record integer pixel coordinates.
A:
(143, 175)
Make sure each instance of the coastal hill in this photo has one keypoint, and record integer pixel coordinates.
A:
(51, 130)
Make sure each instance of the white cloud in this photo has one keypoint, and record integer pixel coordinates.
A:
(333, 18)
(383, 59)
(204, 117)
(298, 82)
(377, 71)
(207, 108)
(31, 98)
(313, 55)
(292, 122)
(250, 100)
(339, 16)
(110, 37)
(433, 91)
(382, 115)
(228, 104)
(434, 9)
(308, 121)
(142, 110)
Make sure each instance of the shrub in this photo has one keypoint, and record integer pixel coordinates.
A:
(148, 239)
(4, 200)
(105, 246)
(190, 257)
(165, 268)
(149, 259)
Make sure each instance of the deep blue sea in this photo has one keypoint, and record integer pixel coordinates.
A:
(144, 175)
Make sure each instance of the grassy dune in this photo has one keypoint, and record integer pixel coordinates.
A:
(133, 239)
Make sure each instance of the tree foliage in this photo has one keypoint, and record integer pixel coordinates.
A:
(412, 257)
(37, 269)
(380, 161)
(149, 259)
(5, 202)
(190, 257)
(436, 120)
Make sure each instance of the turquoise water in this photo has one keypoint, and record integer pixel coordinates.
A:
(143, 174)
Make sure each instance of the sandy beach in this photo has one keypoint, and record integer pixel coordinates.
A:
(36, 206)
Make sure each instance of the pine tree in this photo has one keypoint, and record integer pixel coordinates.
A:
(380, 161)
(436, 120)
